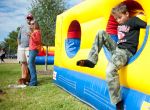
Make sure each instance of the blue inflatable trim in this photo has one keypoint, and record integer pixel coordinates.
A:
(72, 46)
(94, 91)
(132, 59)
(114, 37)
(40, 60)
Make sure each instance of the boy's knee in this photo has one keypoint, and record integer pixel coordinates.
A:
(110, 71)
(101, 32)
(119, 60)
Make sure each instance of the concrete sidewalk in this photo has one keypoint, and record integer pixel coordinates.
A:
(10, 61)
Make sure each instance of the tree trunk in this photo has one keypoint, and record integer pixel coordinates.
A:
(46, 58)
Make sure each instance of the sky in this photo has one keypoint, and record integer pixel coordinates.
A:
(13, 14)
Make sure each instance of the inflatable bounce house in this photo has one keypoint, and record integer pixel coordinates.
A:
(40, 58)
(76, 29)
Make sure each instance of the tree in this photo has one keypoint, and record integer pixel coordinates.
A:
(45, 13)
(2, 45)
(10, 43)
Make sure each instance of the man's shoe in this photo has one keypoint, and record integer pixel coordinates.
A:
(85, 63)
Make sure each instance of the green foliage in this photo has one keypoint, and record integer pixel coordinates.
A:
(2, 45)
(46, 96)
(10, 43)
(45, 12)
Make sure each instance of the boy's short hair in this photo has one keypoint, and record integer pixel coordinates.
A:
(119, 9)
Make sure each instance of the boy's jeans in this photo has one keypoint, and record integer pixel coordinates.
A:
(119, 58)
(32, 67)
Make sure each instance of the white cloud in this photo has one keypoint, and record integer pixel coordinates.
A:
(12, 15)
(73, 2)
(13, 12)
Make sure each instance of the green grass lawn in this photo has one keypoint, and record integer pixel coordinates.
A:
(46, 96)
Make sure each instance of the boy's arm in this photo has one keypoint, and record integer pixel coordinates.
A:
(140, 23)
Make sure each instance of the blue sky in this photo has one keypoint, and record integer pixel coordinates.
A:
(13, 12)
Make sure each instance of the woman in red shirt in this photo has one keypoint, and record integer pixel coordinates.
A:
(34, 47)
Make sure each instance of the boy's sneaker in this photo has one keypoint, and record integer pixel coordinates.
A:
(85, 63)
(120, 105)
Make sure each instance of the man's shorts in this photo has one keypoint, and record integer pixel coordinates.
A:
(23, 54)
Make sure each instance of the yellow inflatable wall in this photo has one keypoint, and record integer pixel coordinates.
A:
(92, 15)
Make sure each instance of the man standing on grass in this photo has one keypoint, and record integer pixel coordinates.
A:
(23, 49)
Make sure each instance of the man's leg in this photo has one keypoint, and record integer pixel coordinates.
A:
(102, 38)
(25, 71)
(2, 58)
(27, 58)
(24, 67)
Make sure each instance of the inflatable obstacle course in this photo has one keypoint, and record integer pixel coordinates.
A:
(76, 29)
(40, 58)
